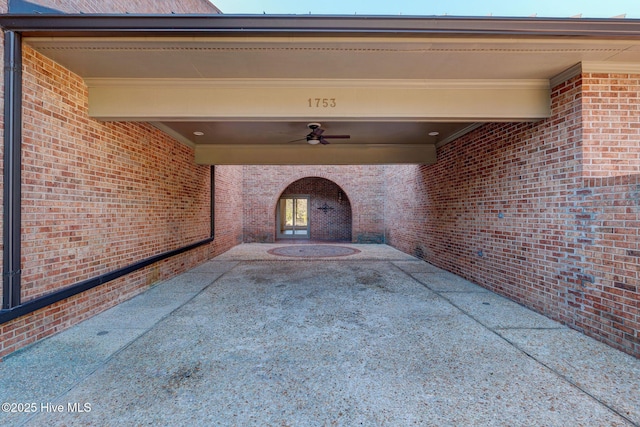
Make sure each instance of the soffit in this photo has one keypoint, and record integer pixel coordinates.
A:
(330, 57)
(324, 50)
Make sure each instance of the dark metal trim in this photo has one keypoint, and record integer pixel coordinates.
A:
(12, 169)
(212, 203)
(171, 25)
(46, 300)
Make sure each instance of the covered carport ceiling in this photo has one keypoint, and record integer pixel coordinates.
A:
(250, 84)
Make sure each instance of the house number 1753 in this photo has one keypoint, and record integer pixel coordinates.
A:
(322, 102)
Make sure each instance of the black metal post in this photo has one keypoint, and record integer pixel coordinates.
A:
(213, 202)
(12, 164)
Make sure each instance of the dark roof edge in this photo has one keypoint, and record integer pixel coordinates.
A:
(154, 25)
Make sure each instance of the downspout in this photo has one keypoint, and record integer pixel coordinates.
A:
(12, 165)
(212, 205)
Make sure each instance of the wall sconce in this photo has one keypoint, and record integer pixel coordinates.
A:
(339, 197)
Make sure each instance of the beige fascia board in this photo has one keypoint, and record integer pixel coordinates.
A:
(305, 154)
(229, 99)
(611, 67)
(331, 83)
(595, 67)
(567, 74)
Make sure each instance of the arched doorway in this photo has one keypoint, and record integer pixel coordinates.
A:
(313, 208)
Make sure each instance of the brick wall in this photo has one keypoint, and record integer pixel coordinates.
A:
(607, 299)
(100, 196)
(78, 242)
(129, 6)
(363, 186)
(329, 218)
(546, 213)
(611, 124)
(510, 207)
(228, 206)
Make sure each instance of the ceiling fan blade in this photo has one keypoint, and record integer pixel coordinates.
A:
(337, 136)
(296, 140)
(317, 135)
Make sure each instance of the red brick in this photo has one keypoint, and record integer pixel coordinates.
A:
(129, 6)
(569, 213)
(362, 186)
(100, 196)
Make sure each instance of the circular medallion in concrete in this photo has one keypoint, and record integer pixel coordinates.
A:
(313, 251)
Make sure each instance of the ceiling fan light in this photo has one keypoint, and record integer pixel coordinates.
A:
(313, 141)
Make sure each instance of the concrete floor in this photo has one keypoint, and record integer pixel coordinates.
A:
(373, 338)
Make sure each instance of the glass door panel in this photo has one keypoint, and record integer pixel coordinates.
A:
(301, 216)
(293, 212)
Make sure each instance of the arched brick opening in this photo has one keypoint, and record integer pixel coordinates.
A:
(329, 209)
(363, 186)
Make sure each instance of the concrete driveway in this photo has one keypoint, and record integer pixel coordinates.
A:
(304, 336)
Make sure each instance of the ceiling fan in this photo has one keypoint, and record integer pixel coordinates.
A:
(317, 135)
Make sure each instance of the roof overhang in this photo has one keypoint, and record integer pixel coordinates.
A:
(252, 83)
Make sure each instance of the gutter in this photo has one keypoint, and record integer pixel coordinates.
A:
(105, 25)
